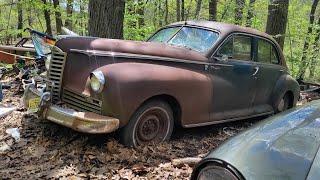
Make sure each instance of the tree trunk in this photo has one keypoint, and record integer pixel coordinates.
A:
(250, 13)
(182, 11)
(47, 18)
(140, 12)
(178, 10)
(213, 4)
(166, 12)
(20, 18)
(106, 18)
(277, 20)
(68, 22)
(57, 13)
(304, 63)
(239, 11)
(198, 9)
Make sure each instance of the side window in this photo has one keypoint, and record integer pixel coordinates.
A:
(242, 48)
(237, 47)
(264, 51)
(274, 56)
(267, 53)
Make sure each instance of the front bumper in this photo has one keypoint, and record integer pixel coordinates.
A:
(86, 122)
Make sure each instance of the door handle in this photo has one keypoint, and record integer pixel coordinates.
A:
(256, 71)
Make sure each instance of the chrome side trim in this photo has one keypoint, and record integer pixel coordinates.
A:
(131, 55)
(227, 120)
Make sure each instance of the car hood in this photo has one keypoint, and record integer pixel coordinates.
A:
(281, 147)
(130, 47)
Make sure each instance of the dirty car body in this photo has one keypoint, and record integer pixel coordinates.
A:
(188, 73)
(285, 146)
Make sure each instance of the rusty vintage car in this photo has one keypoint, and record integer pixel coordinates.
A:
(187, 73)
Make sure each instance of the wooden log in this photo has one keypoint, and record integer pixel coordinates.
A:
(190, 161)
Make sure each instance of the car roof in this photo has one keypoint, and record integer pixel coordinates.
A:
(223, 28)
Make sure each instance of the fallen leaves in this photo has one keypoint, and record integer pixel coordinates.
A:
(47, 150)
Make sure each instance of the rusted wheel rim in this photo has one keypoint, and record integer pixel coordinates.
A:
(283, 104)
(152, 126)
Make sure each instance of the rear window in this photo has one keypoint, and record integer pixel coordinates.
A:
(267, 52)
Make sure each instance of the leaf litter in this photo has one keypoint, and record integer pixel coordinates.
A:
(47, 150)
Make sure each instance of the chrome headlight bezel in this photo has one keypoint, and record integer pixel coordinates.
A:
(97, 81)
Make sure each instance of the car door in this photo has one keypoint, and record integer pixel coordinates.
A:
(269, 71)
(232, 78)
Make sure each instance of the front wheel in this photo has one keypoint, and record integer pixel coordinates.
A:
(152, 122)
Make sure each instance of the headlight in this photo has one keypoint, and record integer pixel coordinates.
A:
(97, 81)
(47, 62)
(215, 172)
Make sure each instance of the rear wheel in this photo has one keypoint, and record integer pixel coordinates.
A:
(284, 103)
(152, 122)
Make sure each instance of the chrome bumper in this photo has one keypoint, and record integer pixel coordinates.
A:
(86, 122)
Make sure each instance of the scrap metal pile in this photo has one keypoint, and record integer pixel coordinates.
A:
(309, 91)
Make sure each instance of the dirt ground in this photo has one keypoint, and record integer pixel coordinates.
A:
(46, 150)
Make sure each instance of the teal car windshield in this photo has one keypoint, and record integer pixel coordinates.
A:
(197, 39)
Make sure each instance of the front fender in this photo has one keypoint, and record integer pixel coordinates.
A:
(285, 83)
(129, 85)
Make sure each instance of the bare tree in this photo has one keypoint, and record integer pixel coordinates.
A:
(106, 18)
(239, 11)
(198, 9)
(47, 17)
(68, 22)
(183, 11)
(304, 63)
(20, 17)
(140, 12)
(213, 4)
(57, 13)
(178, 8)
(250, 13)
(166, 12)
(277, 20)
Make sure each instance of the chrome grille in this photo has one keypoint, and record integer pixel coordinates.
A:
(81, 102)
(55, 72)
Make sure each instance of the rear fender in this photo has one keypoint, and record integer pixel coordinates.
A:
(285, 83)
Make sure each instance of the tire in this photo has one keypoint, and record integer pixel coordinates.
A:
(284, 103)
(152, 122)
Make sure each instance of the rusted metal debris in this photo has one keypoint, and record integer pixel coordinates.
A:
(309, 91)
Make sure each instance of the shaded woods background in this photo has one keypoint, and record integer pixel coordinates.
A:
(295, 24)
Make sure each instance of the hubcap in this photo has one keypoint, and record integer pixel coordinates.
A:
(152, 126)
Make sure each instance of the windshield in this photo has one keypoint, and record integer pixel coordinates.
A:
(188, 37)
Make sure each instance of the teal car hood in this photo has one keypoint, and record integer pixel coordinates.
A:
(281, 147)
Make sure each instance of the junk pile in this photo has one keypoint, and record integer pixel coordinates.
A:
(24, 63)
(309, 91)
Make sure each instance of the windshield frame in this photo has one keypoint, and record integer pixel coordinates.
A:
(190, 26)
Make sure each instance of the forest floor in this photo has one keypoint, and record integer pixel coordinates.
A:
(47, 150)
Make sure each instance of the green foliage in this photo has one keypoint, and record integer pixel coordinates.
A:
(154, 17)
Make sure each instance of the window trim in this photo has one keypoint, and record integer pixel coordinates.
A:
(254, 36)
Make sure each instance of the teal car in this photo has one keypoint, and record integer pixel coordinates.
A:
(285, 146)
